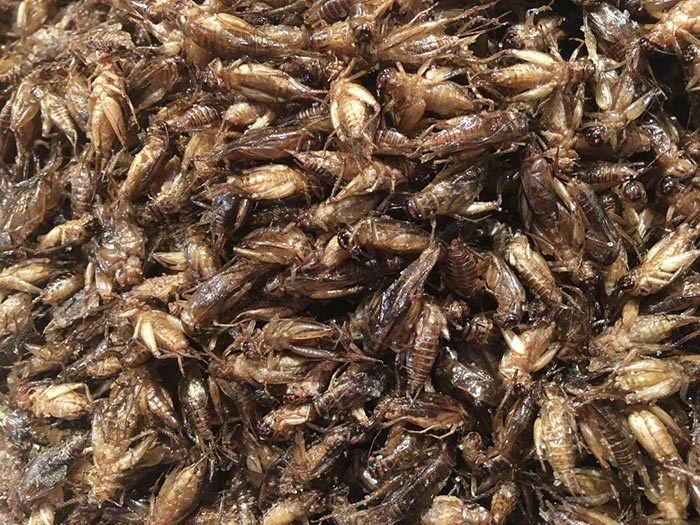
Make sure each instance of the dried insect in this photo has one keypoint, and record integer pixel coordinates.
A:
(539, 74)
(664, 262)
(474, 133)
(500, 281)
(232, 37)
(62, 401)
(179, 494)
(451, 509)
(413, 94)
(106, 109)
(194, 399)
(71, 233)
(147, 163)
(453, 192)
(395, 300)
(533, 270)
(679, 22)
(257, 82)
(431, 325)
(465, 380)
(384, 235)
(555, 433)
(48, 470)
(354, 113)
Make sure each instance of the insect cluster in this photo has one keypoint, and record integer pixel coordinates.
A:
(351, 262)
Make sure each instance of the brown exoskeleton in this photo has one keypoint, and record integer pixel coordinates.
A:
(413, 94)
(453, 192)
(667, 260)
(538, 75)
(555, 435)
(474, 133)
(62, 401)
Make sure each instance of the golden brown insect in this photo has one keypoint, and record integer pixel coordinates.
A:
(538, 74)
(331, 214)
(446, 510)
(196, 406)
(164, 288)
(384, 235)
(528, 352)
(504, 500)
(174, 193)
(376, 176)
(24, 118)
(652, 434)
(354, 113)
(147, 163)
(431, 326)
(162, 333)
(602, 174)
(179, 494)
(273, 369)
(26, 275)
(671, 497)
(116, 443)
(83, 183)
(465, 268)
(501, 282)
(538, 187)
(119, 251)
(642, 334)
(452, 192)
(106, 109)
(555, 432)
(192, 117)
(70, 233)
(649, 379)
(267, 144)
(664, 262)
(61, 288)
(31, 15)
(151, 79)
(23, 207)
(533, 269)
(430, 411)
(77, 92)
(411, 95)
(473, 133)
(272, 182)
(416, 43)
(62, 401)
(602, 242)
(610, 441)
(257, 82)
(155, 399)
(229, 36)
(623, 106)
(678, 23)
(285, 246)
(54, 112)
